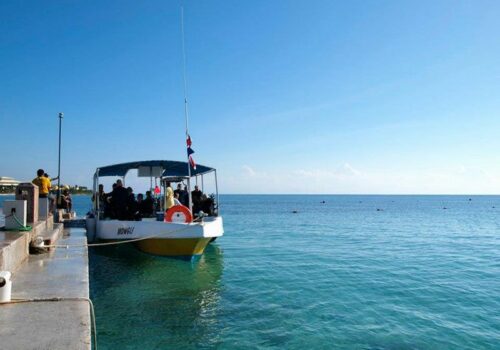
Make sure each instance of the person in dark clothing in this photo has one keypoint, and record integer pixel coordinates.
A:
(146, 207)
(196, 194)
(178, 190)
(140, 199)
(132, 207)
(196, 197)
(181, 195)
(119, 201)
(108, 207)
(101, 199)
(100, 196)
(207, 205)
(66, 201)
(184, 197)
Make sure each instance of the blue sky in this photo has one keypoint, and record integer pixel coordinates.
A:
(285, 96)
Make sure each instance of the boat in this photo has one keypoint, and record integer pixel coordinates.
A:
(172, 232)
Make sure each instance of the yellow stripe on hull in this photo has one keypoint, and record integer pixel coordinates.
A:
(173, 247)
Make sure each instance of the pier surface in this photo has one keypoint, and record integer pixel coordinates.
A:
(61, 273)
(14, 245)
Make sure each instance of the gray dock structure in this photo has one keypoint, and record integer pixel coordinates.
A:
(61, 275)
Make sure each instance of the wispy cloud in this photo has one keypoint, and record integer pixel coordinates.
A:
(349, 179)
(248, 171)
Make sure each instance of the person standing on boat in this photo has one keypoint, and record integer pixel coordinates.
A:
(196, 196)
(132, 206)
(179, 193)
(178, 190)
(169, 196)
(119, 199)
(184, 197)
(108, 208)
(100, 198)
(147, 206)
(140, 205)
(176, 199)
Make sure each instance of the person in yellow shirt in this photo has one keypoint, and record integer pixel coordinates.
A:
(43, 184)
(169, 197)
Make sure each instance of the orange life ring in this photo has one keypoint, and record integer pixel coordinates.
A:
(178, 213)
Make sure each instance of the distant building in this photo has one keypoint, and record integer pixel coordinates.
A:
(8, 184)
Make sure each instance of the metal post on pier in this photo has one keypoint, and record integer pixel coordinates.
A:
(61, 115)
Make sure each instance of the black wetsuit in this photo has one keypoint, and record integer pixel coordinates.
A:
(196, 197)
(132, 208)
(184, 198)
(119, 201)
(146, 207)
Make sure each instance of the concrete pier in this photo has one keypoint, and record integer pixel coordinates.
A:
(14, 245)
(60, 273)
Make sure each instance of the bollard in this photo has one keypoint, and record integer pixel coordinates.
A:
(29, 192)
(5, 286)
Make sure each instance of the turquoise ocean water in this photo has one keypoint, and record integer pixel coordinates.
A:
(335, 275)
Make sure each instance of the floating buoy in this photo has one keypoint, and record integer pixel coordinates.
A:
(178, 213)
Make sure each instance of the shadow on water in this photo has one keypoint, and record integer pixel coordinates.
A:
(155, 301)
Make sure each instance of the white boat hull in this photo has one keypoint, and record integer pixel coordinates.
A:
(163, 238)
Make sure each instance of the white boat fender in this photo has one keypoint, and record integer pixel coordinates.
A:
(5, 286)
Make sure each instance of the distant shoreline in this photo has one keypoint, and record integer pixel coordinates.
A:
(73, 194)
(355, 194)
(311, 194)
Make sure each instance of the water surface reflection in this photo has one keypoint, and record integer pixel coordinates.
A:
(155, 301)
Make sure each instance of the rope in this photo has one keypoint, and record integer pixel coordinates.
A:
(117, 242)
(21, 226)
(39, 300)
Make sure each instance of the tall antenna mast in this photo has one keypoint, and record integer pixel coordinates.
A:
(186, 113)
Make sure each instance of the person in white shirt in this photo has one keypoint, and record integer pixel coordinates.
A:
(176, 199)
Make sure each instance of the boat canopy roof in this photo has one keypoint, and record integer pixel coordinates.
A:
(171, 168)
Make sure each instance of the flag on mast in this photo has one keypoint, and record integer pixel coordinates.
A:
(190, 152)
